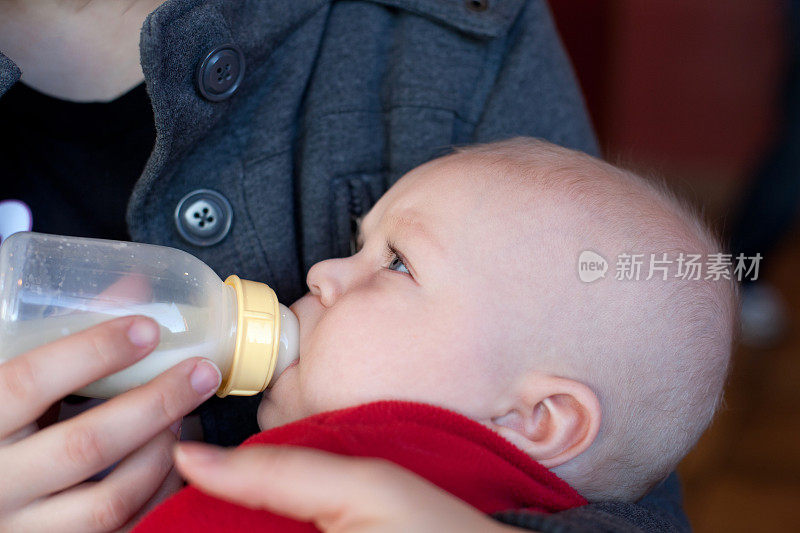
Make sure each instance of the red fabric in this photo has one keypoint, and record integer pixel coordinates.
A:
(457, 454)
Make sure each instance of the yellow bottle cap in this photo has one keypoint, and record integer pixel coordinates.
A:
(258, 324)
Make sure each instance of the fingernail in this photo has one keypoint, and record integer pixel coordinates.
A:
(143, 332)
(205, 377)
(200, 453)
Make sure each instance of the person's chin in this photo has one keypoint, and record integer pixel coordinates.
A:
(277, 406)
(261, 414)
(269, 413)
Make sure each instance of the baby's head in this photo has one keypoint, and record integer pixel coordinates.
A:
(465, 294)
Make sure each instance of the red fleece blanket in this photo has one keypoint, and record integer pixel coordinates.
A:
(457, 454)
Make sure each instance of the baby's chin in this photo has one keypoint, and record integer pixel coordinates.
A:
(280, 404)
(270, 414)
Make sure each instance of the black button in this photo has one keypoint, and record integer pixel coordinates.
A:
(477, 5)
(203, 217)
(220, 73)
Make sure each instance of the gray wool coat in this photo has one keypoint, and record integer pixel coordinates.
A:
(338, 100)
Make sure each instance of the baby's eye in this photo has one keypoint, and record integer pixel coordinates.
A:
(395, 260)
(397, 264)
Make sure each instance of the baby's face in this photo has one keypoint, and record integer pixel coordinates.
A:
(405, 317)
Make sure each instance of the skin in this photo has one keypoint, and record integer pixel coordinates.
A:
(77, 50)
(417, 325)
(336, 493)
(413, 324)
(44, 470)
(487, 318)
(371, 330)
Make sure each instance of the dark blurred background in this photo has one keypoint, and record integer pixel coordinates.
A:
(705, 94)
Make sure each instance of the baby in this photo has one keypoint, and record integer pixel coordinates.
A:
(465, 294)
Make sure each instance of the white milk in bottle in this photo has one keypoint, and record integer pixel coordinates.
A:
(53, 286)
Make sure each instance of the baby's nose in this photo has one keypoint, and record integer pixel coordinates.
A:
(323, 292)
(323, 281)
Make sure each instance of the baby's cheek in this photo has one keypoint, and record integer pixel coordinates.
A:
(357, 351)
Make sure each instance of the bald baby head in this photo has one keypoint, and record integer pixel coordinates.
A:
(654, 351)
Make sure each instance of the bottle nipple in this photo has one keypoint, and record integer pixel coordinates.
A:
(289, 342)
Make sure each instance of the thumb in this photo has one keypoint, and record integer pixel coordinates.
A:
(300, 483)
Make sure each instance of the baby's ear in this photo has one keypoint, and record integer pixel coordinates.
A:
(552, 419)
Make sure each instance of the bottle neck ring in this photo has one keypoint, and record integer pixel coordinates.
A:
(257, 338)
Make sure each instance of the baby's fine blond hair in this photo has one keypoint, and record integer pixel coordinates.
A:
(655, 352)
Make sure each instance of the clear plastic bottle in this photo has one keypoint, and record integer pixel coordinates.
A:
(52, 286)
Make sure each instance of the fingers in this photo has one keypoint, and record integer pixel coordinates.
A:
(336, 493)
(33, 381)
(69, 452)
(105, 505)
(304, 484)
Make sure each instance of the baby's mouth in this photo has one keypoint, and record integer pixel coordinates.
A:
(275, 381)
(279, 372)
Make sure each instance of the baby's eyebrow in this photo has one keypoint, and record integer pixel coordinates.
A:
(401, 224)
(407, 224)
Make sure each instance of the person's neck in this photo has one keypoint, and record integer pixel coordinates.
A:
(78, 50)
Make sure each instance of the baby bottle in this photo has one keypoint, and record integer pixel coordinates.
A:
(53, 286)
